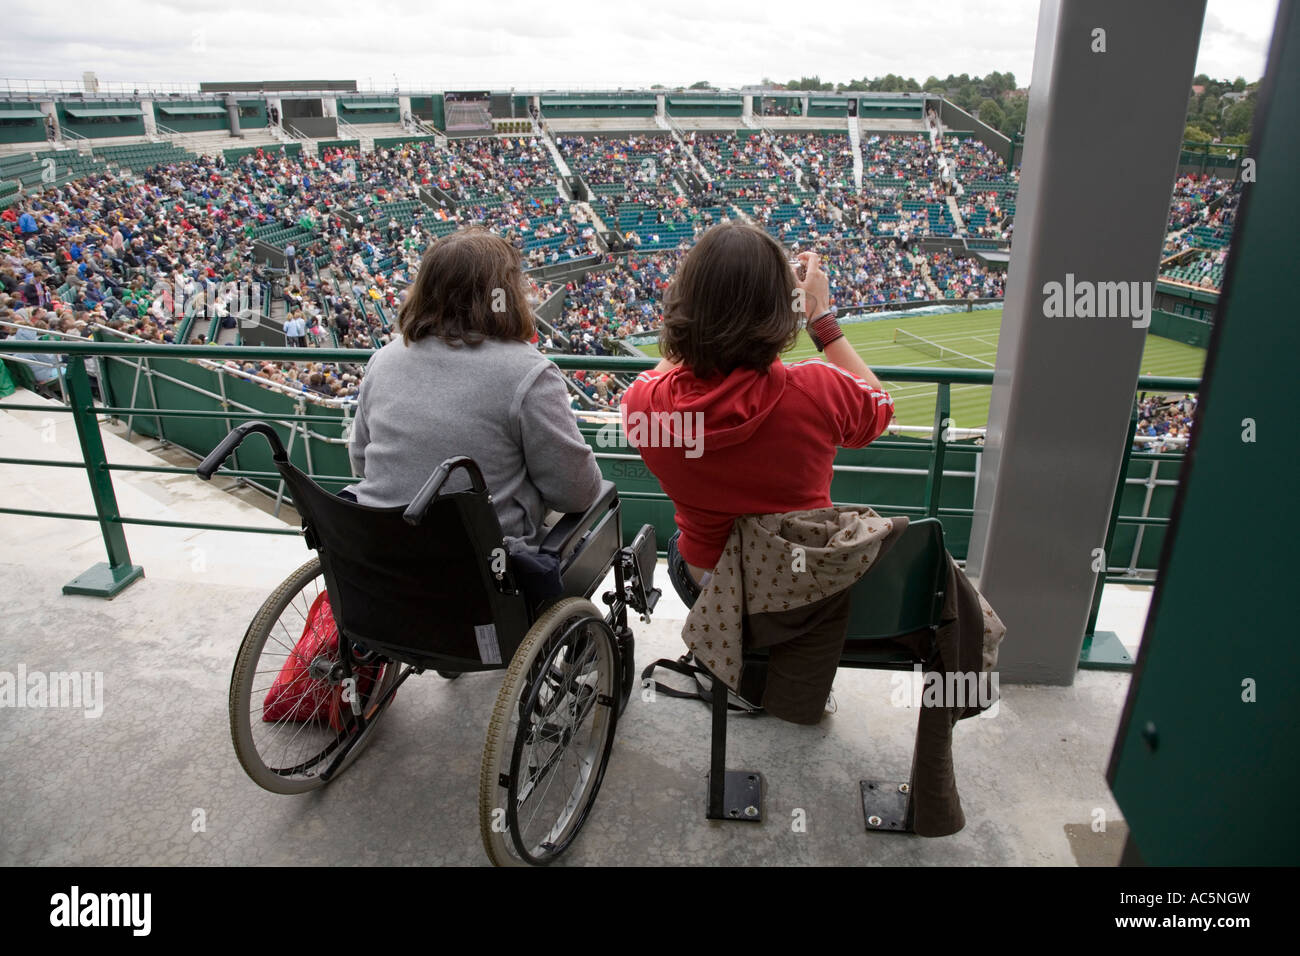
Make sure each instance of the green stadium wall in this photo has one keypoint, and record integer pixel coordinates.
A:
(1181, 328)
(361, 112)
(252, 114)
(182, 122)
(29, 129)
(704, 105)
(131, 124)
(598, 107)
(827, 107)
(390, 141)
(890, 109)
(233, 155)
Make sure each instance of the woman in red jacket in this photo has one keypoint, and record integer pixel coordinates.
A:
(724, 424)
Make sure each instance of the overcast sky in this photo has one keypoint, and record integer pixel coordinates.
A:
(501, 44)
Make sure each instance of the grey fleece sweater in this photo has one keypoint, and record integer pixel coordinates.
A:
(501, 403)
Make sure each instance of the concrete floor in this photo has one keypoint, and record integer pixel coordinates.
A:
(128, 787)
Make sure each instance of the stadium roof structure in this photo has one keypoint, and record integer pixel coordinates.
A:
(705, 100)
(87, 112)
(369, 104)
(8, 112)
(176, 110)
(579, 100)
(276, 86)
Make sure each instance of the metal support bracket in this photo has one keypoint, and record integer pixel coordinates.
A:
(887, 805)
(742, 797)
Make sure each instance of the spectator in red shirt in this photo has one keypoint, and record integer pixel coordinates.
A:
(726, 427)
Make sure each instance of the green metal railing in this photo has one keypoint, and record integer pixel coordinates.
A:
(111, 577)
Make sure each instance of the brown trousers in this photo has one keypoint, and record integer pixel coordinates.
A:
(804, 647)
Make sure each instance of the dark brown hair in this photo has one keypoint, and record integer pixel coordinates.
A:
(731, 304)
(462, 278)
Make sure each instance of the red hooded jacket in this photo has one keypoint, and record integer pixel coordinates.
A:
(748, 442)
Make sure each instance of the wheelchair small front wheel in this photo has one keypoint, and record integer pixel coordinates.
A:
(550, 736)
(288, 718)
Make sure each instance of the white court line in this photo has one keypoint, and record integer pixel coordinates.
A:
(913, 389)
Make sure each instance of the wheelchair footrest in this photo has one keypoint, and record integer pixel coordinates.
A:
(742, 797)
(887, 805)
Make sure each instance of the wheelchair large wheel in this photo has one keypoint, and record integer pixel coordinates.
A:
(550, 736)
(288, 729)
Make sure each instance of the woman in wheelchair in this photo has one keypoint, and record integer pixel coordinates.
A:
(462, 441)
(464, 379)
(767, 432)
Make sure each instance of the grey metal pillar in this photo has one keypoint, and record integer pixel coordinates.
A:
(1107, 103)
(232, 115)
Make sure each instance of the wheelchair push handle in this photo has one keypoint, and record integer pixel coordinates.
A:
(217, 457)
(414, 512)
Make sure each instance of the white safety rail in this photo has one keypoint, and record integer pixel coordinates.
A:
(348, 131)
(75, 139)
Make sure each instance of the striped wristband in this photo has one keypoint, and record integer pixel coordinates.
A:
(824, 330)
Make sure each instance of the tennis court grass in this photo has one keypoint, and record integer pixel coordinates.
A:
(976, 335)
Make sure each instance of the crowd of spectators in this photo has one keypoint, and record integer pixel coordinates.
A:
(1192, 196)
(487, 167)
(97, 251)
(1201, 217)
(621, 300)
(742, 159)
(964, 277)
(631, 161)
(1162, 418)
(976, 162)
(872, 272)
(124, 252)
(824, 159)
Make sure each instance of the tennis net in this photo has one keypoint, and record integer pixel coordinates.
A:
(933, 349)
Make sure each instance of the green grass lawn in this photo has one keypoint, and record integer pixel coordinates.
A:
(975, 334)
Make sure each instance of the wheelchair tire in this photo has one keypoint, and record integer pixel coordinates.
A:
(287, 756)
(565, 674)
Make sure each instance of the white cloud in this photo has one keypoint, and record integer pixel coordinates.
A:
(564, 43)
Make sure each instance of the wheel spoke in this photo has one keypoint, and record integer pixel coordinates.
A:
(287, 754)
(560, 736)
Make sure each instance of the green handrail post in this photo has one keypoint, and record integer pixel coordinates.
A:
(938, 448)
(106, 579)
(1105, 651)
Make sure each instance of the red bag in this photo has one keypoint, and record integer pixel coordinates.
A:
(294, 695)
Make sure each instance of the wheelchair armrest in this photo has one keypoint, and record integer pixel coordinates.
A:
(414, 512)
(566, 533)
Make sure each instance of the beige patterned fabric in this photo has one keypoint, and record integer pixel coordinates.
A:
(776, 563)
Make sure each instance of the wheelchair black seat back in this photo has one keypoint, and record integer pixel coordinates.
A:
(421, 592)
(431, 586)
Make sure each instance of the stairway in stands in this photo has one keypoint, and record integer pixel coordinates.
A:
(923, 267)
(855, 140)
(364, 137)
(285, 137)
(959, 226)
(787, 161)
(542, 133)
(700, 168)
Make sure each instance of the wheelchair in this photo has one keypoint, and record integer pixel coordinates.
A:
(393, 592)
